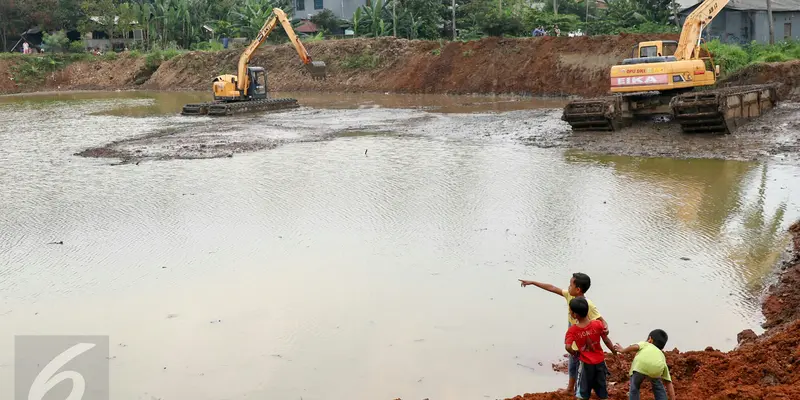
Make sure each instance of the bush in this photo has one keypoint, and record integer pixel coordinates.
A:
(154, 59)
(77, 47)
(58, 42)
(730, 58)
(327, 21)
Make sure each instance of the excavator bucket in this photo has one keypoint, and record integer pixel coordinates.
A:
(318, 69)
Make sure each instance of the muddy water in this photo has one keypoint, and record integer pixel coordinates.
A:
(371, 252)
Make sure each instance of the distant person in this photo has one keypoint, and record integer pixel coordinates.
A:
(578, 286)
(593, 375)
(650, 363)
(556, 30)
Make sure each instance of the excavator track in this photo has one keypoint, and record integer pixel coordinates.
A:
(599, 114)
(218, 108)
(722, 110)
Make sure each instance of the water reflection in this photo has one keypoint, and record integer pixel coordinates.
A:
(723, 201)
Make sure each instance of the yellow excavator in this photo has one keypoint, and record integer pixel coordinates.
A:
(659, 82)
(247, 90)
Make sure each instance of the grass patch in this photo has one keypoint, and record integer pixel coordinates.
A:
(732, 58)
(360, 61)
(154, 58)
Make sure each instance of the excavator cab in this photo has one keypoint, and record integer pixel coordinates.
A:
(258, 83)
(657, 48)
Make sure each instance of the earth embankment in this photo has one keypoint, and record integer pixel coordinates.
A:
(541, 66)
(533, 66)
(537, 66)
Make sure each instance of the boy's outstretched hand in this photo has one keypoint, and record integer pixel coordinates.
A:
(524, 283)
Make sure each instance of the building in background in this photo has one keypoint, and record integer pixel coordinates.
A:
(744, 21)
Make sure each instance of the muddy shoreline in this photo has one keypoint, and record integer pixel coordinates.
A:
(775, 136)
(765, 366)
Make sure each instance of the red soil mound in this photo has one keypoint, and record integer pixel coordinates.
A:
(540, 66)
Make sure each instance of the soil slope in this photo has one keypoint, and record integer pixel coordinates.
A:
(541, 66)
(535, 66)
(530, 66)
(765, 367)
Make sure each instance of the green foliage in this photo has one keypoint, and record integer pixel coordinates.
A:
(327, 21)
(360, 61)
(565, 22)
(154, 59)
(732, 58)
(77, 47)
(33, 70)
(55, 43)
(316, 38)
(208, 46)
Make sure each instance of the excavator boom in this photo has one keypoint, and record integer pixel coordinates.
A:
(701, 17)
(247, 90)
(317, 68)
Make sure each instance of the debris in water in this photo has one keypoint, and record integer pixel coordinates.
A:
(365, 151)
(59, 242)
(525, 366)
(685, 258)
(170, 316)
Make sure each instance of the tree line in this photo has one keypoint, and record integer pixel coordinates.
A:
(180, 23)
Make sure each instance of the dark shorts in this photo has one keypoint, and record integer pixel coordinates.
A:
(591, 377)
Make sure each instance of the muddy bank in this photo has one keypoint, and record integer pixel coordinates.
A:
(762, 367)
(775, 136)
(786, 73)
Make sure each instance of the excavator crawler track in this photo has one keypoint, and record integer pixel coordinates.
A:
(722, 110)
(599, 114)
(224, 109)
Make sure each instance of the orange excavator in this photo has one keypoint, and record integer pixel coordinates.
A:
(659, 81)
(247, 90)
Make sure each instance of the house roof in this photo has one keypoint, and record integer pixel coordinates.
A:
(755, 5)
(307, 26)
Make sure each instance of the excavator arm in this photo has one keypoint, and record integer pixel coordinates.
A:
(317, 68)
(696, 21)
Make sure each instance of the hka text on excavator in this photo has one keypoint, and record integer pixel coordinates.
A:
(660, 79)
(247, 90)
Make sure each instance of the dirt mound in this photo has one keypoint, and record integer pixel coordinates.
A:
(120, 73)
(765, 367)
(97, 74)
(787, 73)
(538, 66)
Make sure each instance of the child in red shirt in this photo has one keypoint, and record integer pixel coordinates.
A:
(592, 371)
